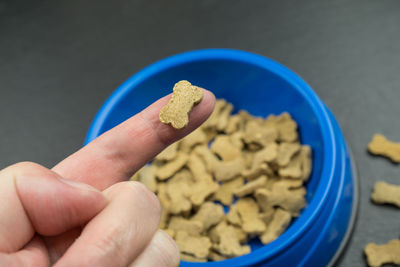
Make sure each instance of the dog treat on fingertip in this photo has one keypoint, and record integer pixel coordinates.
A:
(252, 168)
(388, 253)
(184, 97)
(384, 193)
(381, 146)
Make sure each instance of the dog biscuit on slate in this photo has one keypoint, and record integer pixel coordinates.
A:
(377, 255)
(385, 193)
(380, 145)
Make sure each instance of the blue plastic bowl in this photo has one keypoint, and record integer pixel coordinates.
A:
(261, 86)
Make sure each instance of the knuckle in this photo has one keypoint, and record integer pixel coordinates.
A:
(22, 168)
(146, 194)
(137, 191)
(25, 165)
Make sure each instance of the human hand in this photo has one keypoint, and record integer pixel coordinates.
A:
(81, 212)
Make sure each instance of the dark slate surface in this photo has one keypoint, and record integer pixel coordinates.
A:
(59, 60)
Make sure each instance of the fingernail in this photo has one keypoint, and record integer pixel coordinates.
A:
(79, 185)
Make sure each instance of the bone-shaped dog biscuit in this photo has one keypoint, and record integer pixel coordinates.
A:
(184, 97)
(385, 193)
(380, 145)
(377, 255)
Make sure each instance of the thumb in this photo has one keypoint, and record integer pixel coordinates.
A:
(54, 204)
(50, 204)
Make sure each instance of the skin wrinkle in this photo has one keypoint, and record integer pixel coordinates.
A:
(164, 247)
(135, 227)
(116, 158)
(109, 245)
(160, 250)
(136, 230)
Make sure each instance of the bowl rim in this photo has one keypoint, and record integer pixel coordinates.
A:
(312, 211)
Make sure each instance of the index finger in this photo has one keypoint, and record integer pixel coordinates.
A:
(116, 154)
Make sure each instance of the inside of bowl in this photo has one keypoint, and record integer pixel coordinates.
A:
(249, 87)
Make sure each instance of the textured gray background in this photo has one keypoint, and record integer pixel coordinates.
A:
(59, 60)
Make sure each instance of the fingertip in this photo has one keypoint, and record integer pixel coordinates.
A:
(209, 100)
(165, 132)
(204, 109)
(201, 111)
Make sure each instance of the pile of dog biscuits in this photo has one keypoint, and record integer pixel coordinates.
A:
(235, 178)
